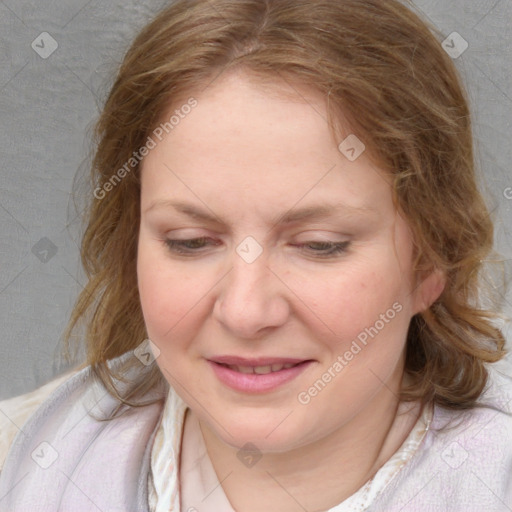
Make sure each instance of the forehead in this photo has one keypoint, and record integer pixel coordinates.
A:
(260, 144)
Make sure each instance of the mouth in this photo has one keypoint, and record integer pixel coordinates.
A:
(257, 375)
(260, 369)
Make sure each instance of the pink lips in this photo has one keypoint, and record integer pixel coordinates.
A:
(256, 382)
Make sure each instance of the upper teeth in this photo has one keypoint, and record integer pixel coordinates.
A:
(261, 370)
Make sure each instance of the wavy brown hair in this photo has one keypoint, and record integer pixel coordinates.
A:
(381, 67)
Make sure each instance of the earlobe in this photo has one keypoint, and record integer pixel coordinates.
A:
(429, 290)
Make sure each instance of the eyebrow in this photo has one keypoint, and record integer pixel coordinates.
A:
(293, 215)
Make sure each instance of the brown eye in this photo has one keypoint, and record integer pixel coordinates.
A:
(324, 249)
(189, 246)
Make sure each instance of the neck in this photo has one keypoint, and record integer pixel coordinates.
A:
(322, 474)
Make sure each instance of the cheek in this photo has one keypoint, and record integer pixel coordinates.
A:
(166, 295)
(344, 302)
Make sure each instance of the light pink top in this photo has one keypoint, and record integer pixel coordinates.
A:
(468, 467)
(200, 489)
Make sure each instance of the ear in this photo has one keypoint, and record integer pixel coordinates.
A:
(429, 289)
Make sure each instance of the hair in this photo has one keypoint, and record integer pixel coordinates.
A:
(383, 70)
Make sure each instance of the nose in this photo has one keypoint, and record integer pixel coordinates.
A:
(251, 300)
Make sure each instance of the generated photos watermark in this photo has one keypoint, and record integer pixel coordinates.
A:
(158, 134)
(361, 341)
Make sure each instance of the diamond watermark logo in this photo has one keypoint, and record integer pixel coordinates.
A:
(147, 352)
(44, 455)
(249, 249)
(454, 455)
(44, 45)
(352, 147)
(249, 455)
(455, 45)
(44, 250)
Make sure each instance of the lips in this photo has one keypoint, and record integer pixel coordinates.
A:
(261, 369)
(259, 365)
(256, 374)
(255, 361)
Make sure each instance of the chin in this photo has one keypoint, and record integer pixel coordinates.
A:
(267, 431)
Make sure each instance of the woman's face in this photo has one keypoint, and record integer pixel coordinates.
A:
(281, 305)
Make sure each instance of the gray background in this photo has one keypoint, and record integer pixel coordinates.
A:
(47, 109)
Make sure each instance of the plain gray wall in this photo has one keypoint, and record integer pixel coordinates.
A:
(47, 108)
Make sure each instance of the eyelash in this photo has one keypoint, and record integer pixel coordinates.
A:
(179, 247)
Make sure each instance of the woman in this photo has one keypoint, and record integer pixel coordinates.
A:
(284, 203)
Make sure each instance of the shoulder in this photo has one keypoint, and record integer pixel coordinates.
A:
(464, 459)
(107, 444)
(477, 443)
(489, 424)
(14, 412)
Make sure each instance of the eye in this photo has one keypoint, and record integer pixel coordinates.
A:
(189, 246)
(324, 249)
(193, 246)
